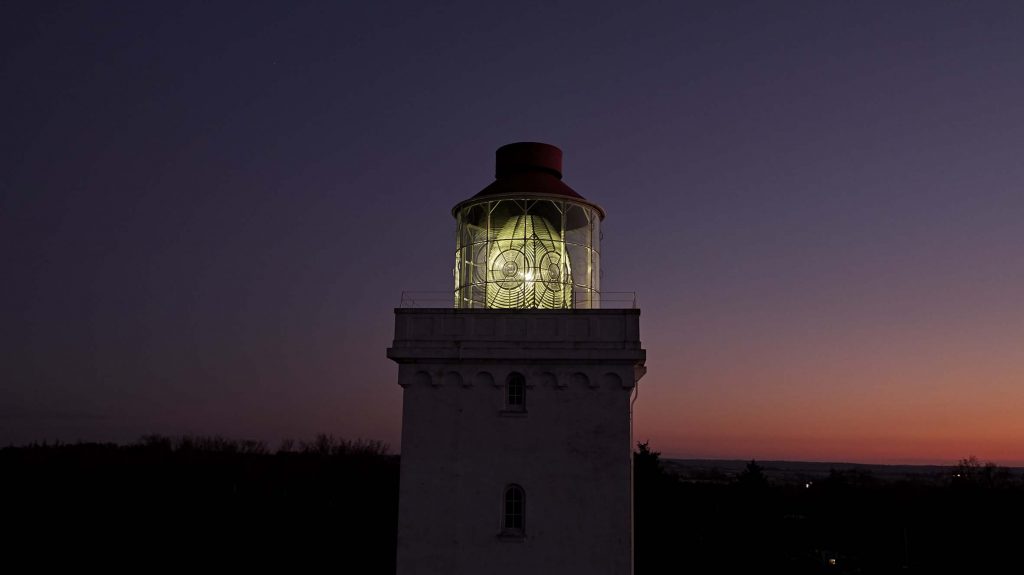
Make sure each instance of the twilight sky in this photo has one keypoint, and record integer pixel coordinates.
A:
(208, 211)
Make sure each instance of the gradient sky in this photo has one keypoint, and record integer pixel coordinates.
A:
(208, 211)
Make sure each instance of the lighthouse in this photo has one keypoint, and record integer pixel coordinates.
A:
(516, 451)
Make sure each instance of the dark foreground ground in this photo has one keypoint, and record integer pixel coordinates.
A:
(331, 505)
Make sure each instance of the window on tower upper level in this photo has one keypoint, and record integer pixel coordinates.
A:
(515, 392)
(513, 522)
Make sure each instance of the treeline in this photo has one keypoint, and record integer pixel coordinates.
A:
(332, 504)
(202, 501)
(969, 520)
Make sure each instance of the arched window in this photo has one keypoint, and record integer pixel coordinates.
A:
(512, 522)
(515, 392)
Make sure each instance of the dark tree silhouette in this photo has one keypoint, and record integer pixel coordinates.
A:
(752, 476)
(969, 472)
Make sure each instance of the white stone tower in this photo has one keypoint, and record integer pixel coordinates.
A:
(516, 449)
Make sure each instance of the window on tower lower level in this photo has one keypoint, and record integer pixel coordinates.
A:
(515, 392)
(513, 517)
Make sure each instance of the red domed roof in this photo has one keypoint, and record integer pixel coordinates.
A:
(528, 167)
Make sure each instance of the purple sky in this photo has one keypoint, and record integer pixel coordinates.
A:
(209, 210)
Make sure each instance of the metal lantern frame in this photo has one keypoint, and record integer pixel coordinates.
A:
(526, 251)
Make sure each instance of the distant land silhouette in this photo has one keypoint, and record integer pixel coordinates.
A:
(796, 472)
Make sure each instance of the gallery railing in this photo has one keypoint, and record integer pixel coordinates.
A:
(445, 299)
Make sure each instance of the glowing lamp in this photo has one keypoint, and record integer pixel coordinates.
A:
(527, 241)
